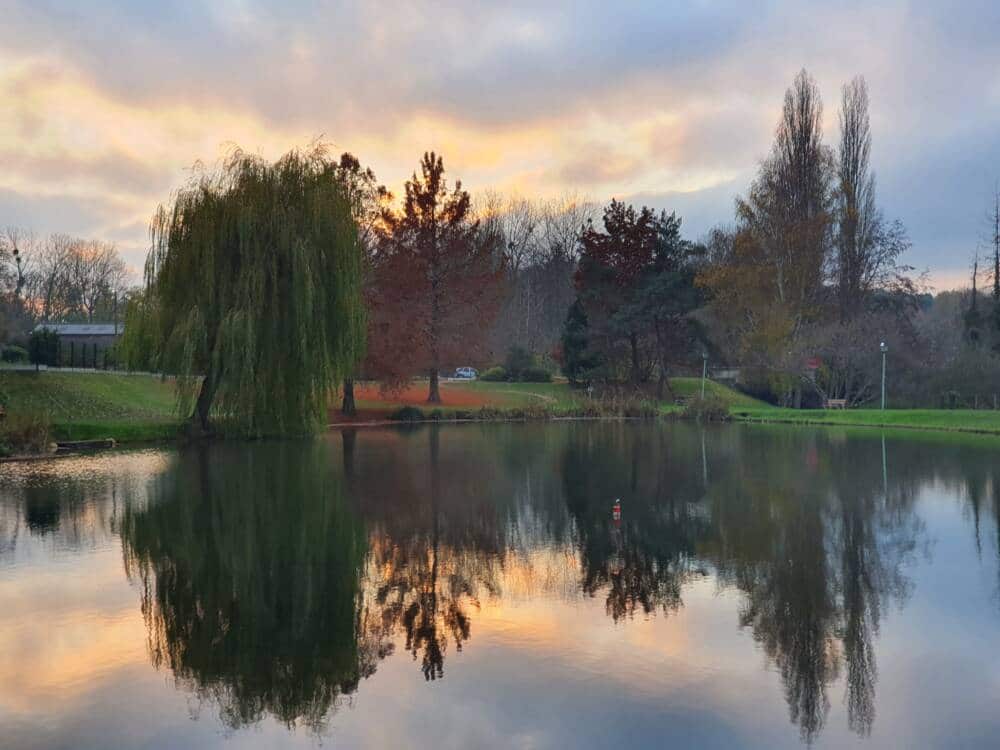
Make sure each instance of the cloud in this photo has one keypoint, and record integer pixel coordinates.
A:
(598, 164)
(110, 103)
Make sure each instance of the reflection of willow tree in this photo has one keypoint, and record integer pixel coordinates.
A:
(436, 542)
(818, 549)
(642, 562)
(249, 563)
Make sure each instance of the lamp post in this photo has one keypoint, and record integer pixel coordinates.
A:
(884, 349)
(704, 371)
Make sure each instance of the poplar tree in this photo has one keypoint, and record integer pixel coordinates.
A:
(254, 294)
(996, 270)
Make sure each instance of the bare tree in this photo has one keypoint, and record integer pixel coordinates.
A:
(64, 277)
(97, 276)
(540, 241)
(563, 222)
(52, 277)
(18, 253)
(513, 223)
(995, 239)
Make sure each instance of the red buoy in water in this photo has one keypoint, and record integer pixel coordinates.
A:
(616, 511)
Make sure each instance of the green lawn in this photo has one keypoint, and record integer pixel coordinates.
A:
(964, 420)
(691, 388)
(84, 406)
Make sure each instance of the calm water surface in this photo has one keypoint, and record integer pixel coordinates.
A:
(468, 586)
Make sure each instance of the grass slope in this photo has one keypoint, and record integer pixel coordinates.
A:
(691, 388)
(86, 406)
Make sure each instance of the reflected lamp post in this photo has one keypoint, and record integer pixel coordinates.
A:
(704, 371)
(884, 348)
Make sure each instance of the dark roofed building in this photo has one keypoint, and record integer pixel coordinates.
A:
(84, 344)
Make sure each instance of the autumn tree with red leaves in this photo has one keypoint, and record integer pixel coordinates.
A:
(635, 296)
(438, 281)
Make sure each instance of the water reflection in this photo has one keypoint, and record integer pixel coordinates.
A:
(275, 578)
(249, 565)
(818, 549)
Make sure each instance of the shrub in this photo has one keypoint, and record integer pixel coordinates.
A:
(14, 354)
(519, 359)
(488, 413)
(24, 433)
(640, 408)
(708, 409)
(494, 375)
(407, 414)
(535, 374)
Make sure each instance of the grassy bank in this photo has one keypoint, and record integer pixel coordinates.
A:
(556, 397)
(89, 406)
(133, 408)
(955, 420)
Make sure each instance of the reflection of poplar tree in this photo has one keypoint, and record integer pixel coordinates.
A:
(818, 554)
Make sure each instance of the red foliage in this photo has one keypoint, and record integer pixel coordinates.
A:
(437, 283)
(625, 248)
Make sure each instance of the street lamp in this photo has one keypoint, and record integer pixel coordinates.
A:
(704, 371)
(884, 348)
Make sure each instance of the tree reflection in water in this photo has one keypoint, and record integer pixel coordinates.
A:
(276, 576)
(249, 563)
(436, 544)
(809, 536)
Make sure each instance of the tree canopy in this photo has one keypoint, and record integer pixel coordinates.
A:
(439, 279)
(254, 293)
(635, 286)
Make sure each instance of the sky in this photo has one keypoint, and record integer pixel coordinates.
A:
(107, 105)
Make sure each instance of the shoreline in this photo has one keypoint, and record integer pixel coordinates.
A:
(762, 417)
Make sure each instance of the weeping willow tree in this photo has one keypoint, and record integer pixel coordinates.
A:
(253, 294)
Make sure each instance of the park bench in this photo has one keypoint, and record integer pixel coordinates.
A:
(836, 403)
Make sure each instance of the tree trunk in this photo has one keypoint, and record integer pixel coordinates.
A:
(204, 404)
(434, 395)
(348, 408)
(663, 389)
(634, 341)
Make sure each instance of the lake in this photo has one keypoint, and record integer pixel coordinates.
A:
(474, 586)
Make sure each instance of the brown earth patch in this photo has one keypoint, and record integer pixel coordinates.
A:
(415, 394)
(374, 406)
